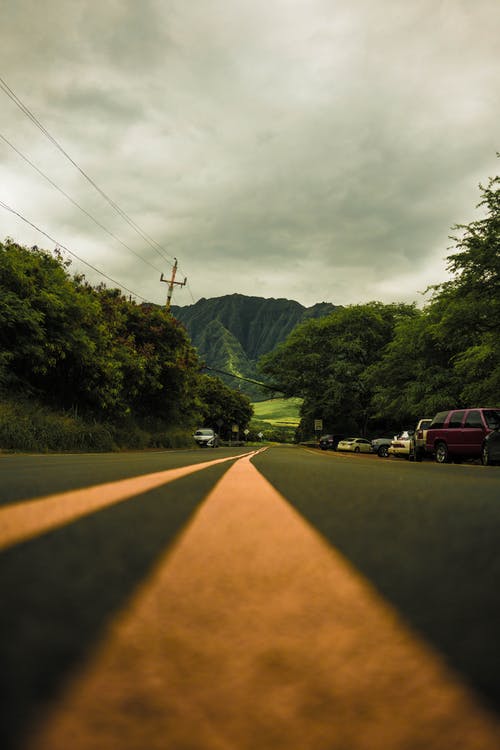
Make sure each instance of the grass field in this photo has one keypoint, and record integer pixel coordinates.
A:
(278, 411)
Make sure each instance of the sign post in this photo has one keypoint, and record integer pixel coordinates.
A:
(318, 427)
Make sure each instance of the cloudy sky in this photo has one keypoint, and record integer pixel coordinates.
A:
(319, 150)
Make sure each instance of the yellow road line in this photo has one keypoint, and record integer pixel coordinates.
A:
(27, 519)
(252, 633)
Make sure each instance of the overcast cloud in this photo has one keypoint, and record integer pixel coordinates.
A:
(308, 149)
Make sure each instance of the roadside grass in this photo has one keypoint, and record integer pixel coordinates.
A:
(278, 411)
(27, 425)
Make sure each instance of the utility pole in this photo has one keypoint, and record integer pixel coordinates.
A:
(171, 282)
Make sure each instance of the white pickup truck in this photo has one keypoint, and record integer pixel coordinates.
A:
(420, 436)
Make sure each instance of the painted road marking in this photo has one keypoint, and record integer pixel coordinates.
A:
(29, 518)
(253, 633)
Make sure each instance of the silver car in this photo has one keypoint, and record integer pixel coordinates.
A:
(206, 438)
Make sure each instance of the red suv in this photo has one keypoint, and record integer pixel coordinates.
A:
(460, 433)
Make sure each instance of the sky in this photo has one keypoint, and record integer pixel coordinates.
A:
(317, 150)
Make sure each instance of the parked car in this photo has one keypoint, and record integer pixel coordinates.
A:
(420, 436)
(402, 444)
(206, 438)
(491, 448)
(354, 444)
(461, 433)
(380, 446)
(329, 442)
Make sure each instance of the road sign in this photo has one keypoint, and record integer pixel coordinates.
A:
(235, 428)
(260, 435)
(246, 431)
(318, 425)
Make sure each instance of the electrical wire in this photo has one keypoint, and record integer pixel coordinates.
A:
(240, 377)
(83, 210)
(17, 101)
(60, 244)
(190, 292)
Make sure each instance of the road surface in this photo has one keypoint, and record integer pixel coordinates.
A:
(248, 600)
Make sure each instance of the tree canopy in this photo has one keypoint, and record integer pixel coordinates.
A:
(378, 364)
(94, 351)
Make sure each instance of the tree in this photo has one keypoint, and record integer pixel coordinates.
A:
(221, 404)
(90, 349)
(326, 361)
(448, 355)
(413, 377)
(466, 308)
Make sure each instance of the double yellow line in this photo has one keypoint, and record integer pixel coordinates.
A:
(30, 518)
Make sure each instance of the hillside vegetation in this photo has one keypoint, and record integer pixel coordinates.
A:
(84, 367)
(373, 366)
(231, 333)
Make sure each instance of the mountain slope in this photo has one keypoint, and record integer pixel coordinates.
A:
(232, 332)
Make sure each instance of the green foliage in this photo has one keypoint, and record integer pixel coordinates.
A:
(88, 349)
(468, 306)
(393, 363)
(413, 375)
(326, 361)
(91, 352)
(230, 333)
(30, 426)
(224, 405)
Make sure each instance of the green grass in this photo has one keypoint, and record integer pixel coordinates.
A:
(26, 425)
(279, 412)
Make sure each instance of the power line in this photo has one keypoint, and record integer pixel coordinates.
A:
(240, 377)
(17, 101)
(191, 293)
(83, 210)
(60, 244)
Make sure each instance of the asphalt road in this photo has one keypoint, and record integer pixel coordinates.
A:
(284, 598)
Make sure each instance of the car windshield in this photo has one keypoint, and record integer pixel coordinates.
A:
(492, 417)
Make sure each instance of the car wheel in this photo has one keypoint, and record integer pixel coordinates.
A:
(442, 453)
(356, 449)
(383, 451)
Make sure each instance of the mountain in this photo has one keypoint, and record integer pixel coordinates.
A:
(232, 332)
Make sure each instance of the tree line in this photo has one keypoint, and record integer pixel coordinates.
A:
(92, 352)
(378, 366)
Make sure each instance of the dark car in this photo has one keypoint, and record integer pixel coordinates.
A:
(380, 446)
(329, 442)
(457, 434)
(491, 448)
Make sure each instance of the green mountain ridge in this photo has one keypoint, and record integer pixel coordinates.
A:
(232, 332)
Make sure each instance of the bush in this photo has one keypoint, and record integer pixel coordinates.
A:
(30, 426)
